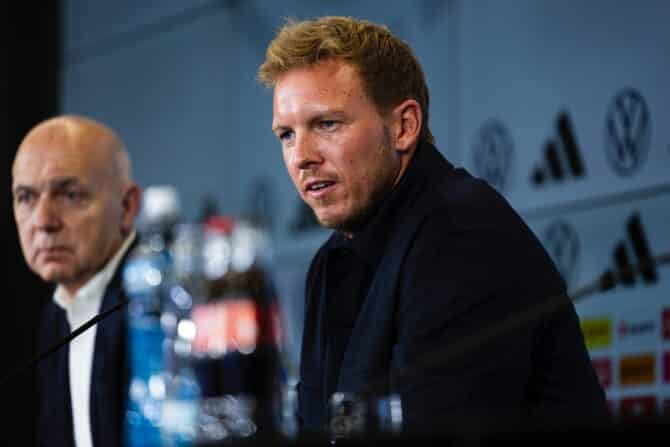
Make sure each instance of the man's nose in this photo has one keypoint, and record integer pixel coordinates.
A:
(46, 215)
(306, 152)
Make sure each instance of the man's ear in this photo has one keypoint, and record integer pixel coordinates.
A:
(407, 120)
(131, 207)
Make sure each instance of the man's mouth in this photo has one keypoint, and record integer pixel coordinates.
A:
(317, 186)
(53, 252)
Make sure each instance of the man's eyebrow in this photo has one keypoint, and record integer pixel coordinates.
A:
(54, 184)
(23, 188)
(278, 127)
(64, 182)
(318, 116)
(327, 115)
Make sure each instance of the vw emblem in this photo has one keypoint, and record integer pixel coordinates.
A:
(561, 241)
(627, 132)
(492, 153)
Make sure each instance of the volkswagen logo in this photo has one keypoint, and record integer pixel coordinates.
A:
(561, 241)
(627, 132)
(492, 153)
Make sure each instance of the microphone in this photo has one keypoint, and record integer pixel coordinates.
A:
(20, 370)
(609, 279)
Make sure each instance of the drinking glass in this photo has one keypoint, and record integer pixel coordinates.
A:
(354, 415)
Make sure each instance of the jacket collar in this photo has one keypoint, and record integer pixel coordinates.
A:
(370, 242)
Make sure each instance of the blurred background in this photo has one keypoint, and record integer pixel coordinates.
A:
(564, 107)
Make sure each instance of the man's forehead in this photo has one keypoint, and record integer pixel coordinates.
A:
(41, 172)
(53, 153)
(67, 139)
(40, 163)
(325, 76)
(67, 135)
(316, 90)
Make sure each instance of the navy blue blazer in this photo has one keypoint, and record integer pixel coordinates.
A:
(465, 315)
(109, 375)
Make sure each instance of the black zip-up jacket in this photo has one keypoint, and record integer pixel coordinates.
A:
(447, 298)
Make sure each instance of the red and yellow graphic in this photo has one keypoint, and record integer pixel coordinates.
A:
(597, 332)
(638, 406)
(603, 368)
(637, 370)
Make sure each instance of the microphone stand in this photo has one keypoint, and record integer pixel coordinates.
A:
(607, 281)
(57, 345)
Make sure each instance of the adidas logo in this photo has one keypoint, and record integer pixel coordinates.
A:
(562, 157)
(624, 268)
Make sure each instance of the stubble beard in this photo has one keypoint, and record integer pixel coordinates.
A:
(357, 218)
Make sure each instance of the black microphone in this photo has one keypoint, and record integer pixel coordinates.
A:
(610, 278)
(68, 339)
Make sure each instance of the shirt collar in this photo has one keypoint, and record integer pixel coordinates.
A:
(369, 244)
(86, 301)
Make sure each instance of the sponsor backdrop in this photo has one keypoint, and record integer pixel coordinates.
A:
(562, 106)
(626, 328)
(566, 113)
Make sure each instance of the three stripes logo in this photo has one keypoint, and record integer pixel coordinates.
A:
(637, 239)
(562, 158)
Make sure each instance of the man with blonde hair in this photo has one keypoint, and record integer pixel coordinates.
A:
(431, 286)
(75, 205)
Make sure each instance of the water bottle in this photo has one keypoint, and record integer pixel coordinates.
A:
(146, 277)
(181, 407)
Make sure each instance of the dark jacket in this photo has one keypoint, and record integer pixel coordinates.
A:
(109, 374)
(464, 314)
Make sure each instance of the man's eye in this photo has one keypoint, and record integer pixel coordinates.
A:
(328, 124)
(73, 196)
(285, 135)
(24, 197)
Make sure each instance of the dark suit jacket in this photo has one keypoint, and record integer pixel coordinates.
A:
(465, 315)
(109, 374)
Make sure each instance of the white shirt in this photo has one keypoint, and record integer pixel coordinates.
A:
(80, 308)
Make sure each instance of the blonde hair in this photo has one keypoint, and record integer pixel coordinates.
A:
(389, 69)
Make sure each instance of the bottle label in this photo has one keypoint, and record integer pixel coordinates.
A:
(224, 326)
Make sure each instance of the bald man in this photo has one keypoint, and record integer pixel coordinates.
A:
(75, 206)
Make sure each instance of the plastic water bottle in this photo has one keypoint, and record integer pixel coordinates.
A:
(146, 279)
(181, 407)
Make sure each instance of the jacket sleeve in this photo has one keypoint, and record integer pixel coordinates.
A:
(476, 307)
